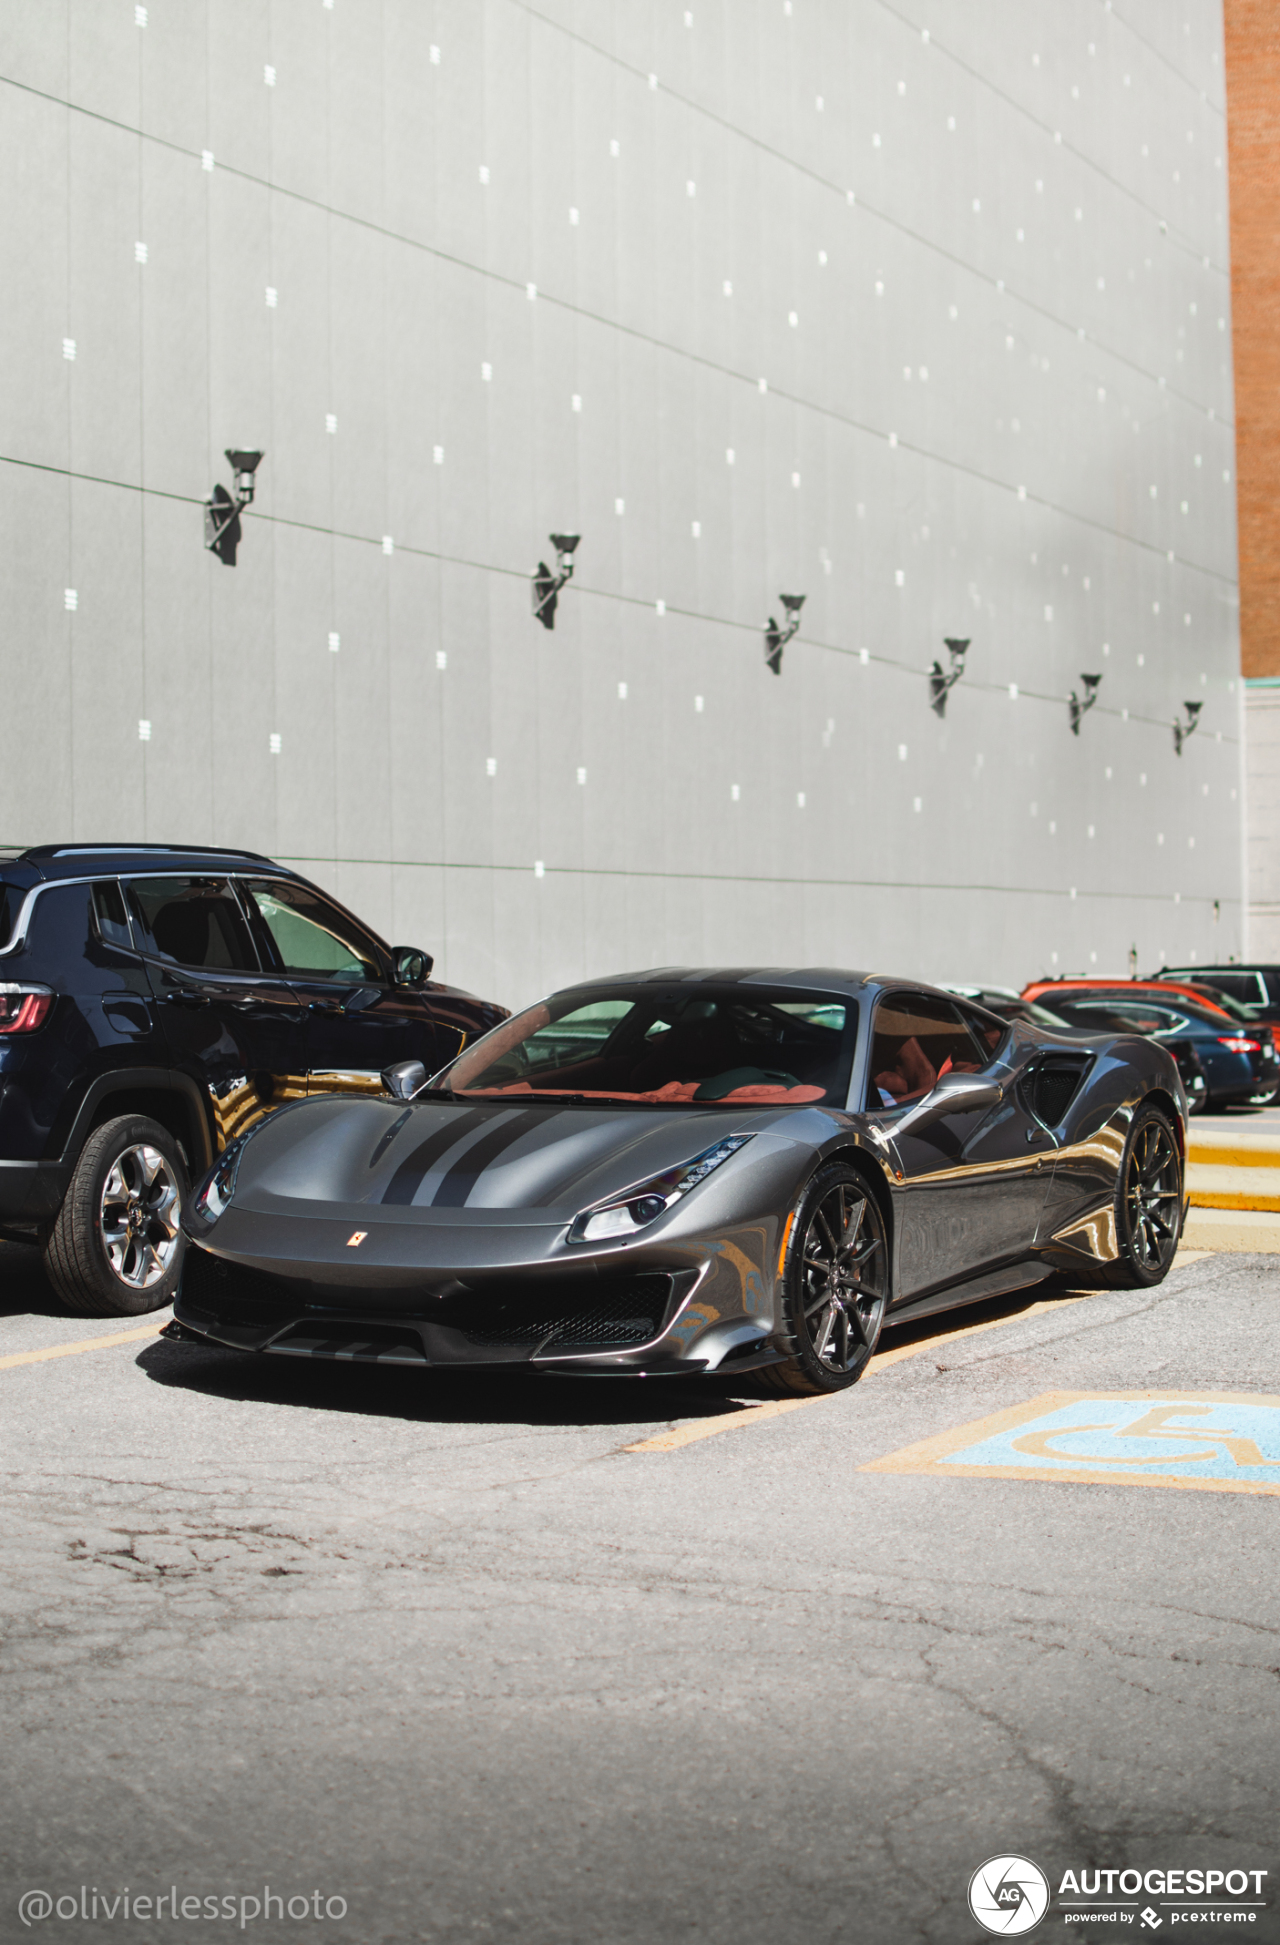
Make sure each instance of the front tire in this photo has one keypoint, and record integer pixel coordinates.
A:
(1148, 1204)
(835, 1286)
(116, 1249)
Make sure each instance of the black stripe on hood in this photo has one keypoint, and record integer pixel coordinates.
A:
(467, 1170)
(407, 1180)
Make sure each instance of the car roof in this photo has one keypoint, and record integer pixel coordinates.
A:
(45, 863)
(1150, 991)
(1118, 988)
(1228, 966)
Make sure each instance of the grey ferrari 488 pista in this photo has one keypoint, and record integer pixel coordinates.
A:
(693, 1171)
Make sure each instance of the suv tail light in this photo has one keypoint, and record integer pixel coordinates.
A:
(1238, 1044)
(23, 1008)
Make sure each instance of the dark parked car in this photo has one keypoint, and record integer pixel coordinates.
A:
(157, 1001)
(693, 1171)
(1238, 1060)
(1254, 986)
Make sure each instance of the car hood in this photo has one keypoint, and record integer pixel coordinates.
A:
(528, 1163)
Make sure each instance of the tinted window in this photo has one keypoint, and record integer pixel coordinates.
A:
(1246, 986)
(989, 1033)
(112, 918)
(312, 938)
(194, 921)
(10, 905)
(696, 1043)
(916, 1041)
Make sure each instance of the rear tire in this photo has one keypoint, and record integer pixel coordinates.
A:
(835, 1286)
(116, 1249)
(1148, 1203)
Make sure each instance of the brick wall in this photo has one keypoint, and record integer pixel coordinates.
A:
(1253, 101)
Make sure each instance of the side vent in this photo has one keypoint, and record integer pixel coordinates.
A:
(1052, 1086)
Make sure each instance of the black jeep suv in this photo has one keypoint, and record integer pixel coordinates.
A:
(155, 1001)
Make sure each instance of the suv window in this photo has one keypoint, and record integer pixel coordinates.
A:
(1237, 986)
(915, 1041)
(110, 914)
(10, 905)
(194, 921)
(311, 937)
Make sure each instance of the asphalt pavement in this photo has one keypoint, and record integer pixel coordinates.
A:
(440, 1658)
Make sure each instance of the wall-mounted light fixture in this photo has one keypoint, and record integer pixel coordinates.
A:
(775, 638)
(546, 584)
(942, 682)
(1081, 704)
(222, 512)
(1181, 731)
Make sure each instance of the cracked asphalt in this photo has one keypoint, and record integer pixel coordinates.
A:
(443, 1649)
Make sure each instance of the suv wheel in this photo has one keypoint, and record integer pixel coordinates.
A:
(116, 1248)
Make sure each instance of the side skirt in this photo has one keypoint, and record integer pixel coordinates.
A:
(992, 1283)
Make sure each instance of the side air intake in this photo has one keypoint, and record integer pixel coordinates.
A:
(1053, 1085)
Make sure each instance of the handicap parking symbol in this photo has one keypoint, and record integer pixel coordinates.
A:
(1216, 1441)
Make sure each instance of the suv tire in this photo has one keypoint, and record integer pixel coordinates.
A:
(116, 1249)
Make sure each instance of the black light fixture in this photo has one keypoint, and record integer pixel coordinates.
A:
(1081, 704)
(546, 584)
(775, 638)
(1181, 731)
(942, 682)
(222, 511)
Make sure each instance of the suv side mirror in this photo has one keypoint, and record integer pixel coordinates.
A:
(953, 1094)
(404, 1079)
(411, 967)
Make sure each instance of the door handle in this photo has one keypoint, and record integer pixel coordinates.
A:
(324, 1006)
(183, 998)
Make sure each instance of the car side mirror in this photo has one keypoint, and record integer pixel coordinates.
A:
(404, 1079)
(953, 1094)
(412, 968)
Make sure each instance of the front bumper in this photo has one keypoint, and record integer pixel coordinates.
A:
(646, 1320)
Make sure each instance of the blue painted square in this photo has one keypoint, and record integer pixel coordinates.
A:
(1167, 1437)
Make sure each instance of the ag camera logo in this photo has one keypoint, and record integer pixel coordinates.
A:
(1008, 1895)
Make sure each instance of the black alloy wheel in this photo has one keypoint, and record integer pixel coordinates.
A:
(1148, 1203)
(835, 1285)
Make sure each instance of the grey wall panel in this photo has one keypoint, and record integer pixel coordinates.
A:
(34, 260)
(352, 188)
(40, 650)
(104, 58)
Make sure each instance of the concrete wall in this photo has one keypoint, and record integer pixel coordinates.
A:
(922, 313)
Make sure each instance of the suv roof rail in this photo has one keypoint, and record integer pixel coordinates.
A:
(105, 850)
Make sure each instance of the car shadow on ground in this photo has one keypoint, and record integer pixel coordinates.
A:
(496, 1396)
(501, 1395)
(25, 1290)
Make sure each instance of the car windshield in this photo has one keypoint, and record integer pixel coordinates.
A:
(700, 1044)
(10, 905)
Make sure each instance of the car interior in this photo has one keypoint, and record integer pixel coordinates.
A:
(916, 1041)
(677, 1046)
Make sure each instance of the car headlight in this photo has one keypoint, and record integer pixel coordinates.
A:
(644, 1204)
(218, 1186)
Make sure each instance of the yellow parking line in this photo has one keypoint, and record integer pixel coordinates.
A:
(85, 1344)
(755, 1414)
